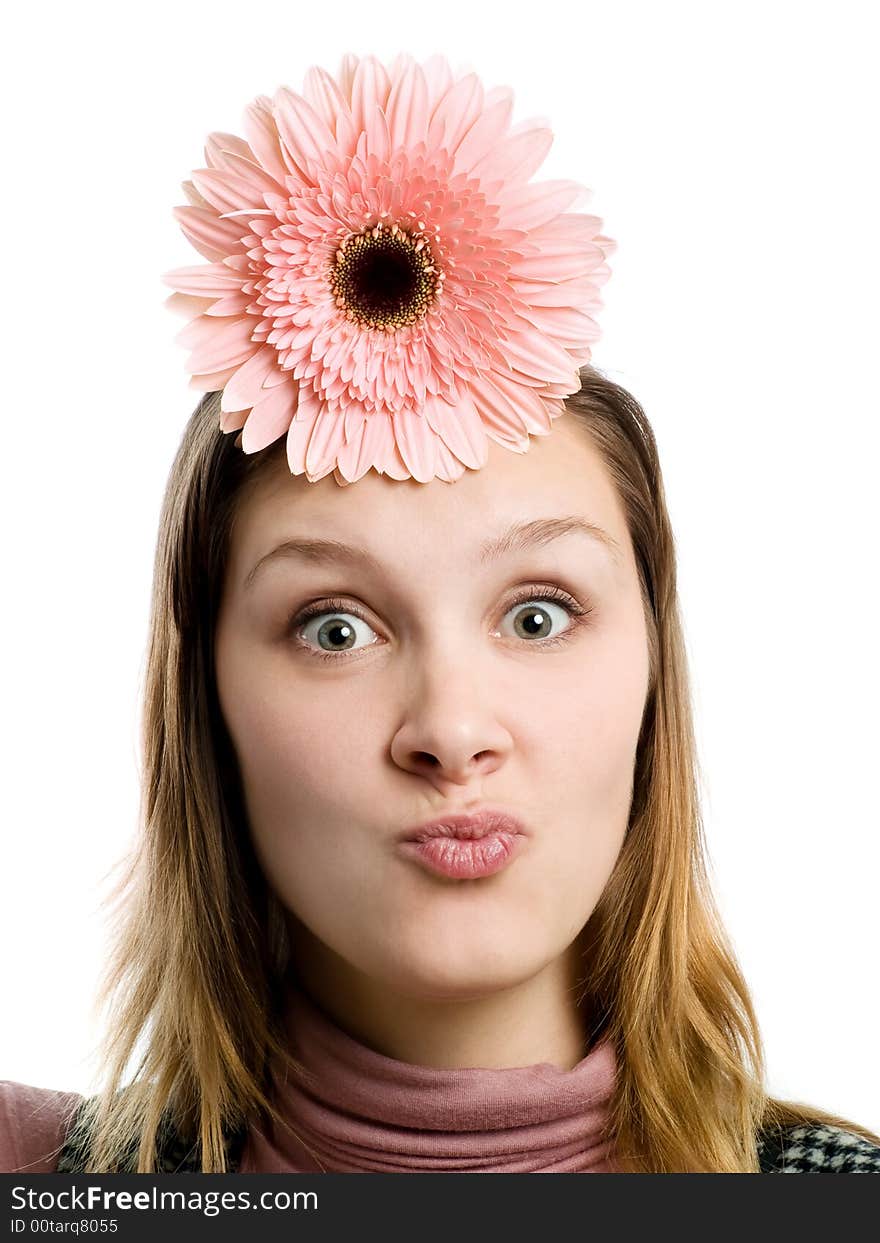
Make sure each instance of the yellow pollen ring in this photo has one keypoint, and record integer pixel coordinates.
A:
(384, 278)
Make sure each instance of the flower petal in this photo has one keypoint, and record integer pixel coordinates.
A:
(539, 359)
(483, 135)
(211, 237)
(370, 87)
(232, 304)
(417, 444)
(459, 427)
(438, 76)
(407, 109)
(308, 410)
(523, 404)
(517, 158)
(448, 467)
(305, 135)
(187, 305)
(567, 325)
(503, 419)
(345, 75)
(371, 446)
(192, 195)
(456, 113)
(246, 387)
(262, 136)
(211, 382)
(219, 147)
(555, 293)
(204, 279)
(375, 139)
(217, 345)
(270, 417)
(554, 263)
(529, 207)
(233, 420)
(325, 444)
(326, 98)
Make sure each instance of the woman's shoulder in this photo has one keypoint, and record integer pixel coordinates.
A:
(175, 1152)
(816, 1148)
(33, 1124)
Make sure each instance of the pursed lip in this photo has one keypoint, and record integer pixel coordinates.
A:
(465, 826)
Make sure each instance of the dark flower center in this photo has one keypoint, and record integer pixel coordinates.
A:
(384, 278)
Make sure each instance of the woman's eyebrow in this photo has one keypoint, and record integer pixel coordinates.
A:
(518, 537)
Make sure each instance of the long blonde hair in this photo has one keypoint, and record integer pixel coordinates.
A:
(194, 988)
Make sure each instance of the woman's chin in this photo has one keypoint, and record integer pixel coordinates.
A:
(454, 972)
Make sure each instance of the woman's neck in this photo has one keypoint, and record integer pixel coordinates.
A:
(534, 1021)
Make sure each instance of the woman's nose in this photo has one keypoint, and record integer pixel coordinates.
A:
(450, 730)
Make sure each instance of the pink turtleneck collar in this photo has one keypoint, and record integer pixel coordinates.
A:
(362, 1112)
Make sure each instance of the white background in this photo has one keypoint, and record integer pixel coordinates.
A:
(732, 151)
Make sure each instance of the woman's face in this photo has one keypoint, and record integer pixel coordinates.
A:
(458, 684)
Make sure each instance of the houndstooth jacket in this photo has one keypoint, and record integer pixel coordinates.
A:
(817, 1150)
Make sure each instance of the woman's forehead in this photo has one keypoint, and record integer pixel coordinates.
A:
(561, 473)
(559, 486)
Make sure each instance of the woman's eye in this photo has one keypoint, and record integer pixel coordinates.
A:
(336, 630)
(535, 619)
(330, 631)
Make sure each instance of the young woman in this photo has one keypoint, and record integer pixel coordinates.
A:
(305, 707)
(421, 884)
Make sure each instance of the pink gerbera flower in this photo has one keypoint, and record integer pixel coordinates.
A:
(384, 285)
